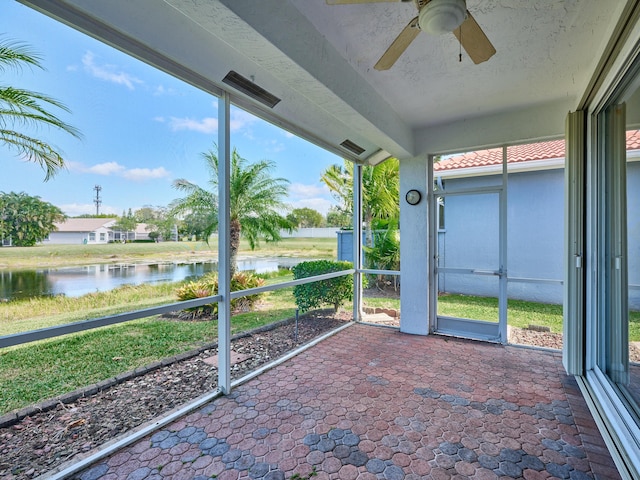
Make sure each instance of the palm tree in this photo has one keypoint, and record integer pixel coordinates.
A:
(380, 191)
(255, 201)
(385, 254)
(25, 108)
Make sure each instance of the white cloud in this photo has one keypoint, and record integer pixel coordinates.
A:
(274, 146)
(322, 205)
(206, 125)
(240, 120)
(316, 196)
(301, 190)
(74, 166)
(107, 168)
(109, 73)
(140, 174)
(161, 90)
(114, 168)
(75, 209)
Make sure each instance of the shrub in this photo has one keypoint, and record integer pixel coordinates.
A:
(207, 285)
(324, 292)
(244, 281)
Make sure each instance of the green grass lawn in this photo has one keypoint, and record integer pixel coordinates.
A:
(34, 372)
(520, 313)
(37, 371)
(34, 313)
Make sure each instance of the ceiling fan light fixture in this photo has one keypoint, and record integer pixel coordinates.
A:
(442, 16)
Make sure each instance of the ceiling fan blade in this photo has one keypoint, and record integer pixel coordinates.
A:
(474, 41)
(398, 46)
(347, 2)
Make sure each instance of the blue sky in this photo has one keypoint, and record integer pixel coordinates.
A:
(141, 128)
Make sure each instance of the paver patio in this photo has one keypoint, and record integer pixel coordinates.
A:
(373, 403)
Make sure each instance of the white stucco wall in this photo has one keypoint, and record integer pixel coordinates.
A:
(77, 238)
(66, 238)
(324, 232)
(535, 219)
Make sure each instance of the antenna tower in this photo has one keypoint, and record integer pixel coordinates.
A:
(97, 200)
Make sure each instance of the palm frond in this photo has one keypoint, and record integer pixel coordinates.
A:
(25, 108)
(33, 149)
(16, 54)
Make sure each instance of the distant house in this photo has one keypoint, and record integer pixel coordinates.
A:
(82, 230)
(74, 231)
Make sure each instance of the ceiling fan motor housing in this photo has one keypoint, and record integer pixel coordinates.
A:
(442, 16)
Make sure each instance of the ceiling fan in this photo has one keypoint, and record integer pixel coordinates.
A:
(437, 17)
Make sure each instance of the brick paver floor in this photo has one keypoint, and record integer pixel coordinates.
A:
(373, 403)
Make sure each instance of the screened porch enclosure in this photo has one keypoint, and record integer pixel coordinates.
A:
(310, 69)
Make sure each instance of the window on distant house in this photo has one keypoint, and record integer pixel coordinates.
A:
(440, 213)
(102, 236)
(92, 236)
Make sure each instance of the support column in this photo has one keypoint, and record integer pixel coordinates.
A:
(357, 242)
(416, 237)
(224, 245)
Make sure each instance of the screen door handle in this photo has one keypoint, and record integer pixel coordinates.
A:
(487, 272)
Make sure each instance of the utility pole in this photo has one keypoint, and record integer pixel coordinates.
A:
(97, 200)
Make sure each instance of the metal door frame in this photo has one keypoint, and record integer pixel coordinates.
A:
(469, 328)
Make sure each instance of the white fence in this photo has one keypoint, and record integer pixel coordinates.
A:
(326, 232)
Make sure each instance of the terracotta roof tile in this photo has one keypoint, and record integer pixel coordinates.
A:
(518, 154)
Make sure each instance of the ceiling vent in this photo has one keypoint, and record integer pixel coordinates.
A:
(249, 88)
(352, 147)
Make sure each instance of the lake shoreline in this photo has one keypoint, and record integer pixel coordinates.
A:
(55, 256)
(78, 280)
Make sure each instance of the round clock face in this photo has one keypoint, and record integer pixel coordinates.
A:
(413, 197)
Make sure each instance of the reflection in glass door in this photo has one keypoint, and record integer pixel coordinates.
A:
(618, 354)
(631, 381)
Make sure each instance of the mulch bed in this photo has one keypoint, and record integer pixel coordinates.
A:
(43, 441)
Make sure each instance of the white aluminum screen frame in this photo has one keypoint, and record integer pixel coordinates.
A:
(573, 308)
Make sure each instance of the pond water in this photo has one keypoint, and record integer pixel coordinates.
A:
(77, 281)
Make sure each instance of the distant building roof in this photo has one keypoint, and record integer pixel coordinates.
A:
(93, 224)
(518, 154)
(84, 224)
(142, 229)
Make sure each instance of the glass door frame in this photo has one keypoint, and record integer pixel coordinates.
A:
(464, 327)
(606, 316)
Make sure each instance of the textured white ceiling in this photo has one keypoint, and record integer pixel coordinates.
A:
(546, 50)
